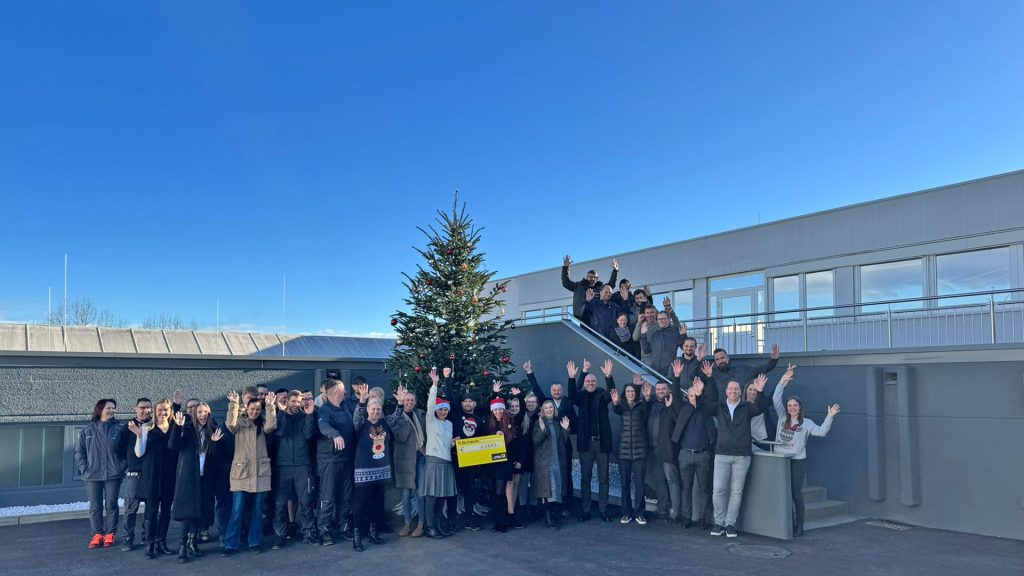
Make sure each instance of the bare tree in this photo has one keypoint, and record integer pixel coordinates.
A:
(82, 312)
(169, 322)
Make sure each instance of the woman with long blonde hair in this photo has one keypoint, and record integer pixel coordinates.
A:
(156, 487)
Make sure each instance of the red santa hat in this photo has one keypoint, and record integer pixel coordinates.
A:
(442, 403)
(497, 404)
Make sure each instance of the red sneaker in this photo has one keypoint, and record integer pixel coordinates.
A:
(108, 541)
(96, 542)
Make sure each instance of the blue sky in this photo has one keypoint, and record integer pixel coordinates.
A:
(182, 153)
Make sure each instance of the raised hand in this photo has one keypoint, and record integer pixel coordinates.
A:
(646, 390)
(698, 386)
(615, 263)
(446, 372)
(638, 380)
(567, 262)
(666, 303)
(233, 397)
(496, 387)
(644, 328)
(707, 368)
(571, 368)
(516, 391)
(586, 366)
(775, 351)
(528, 367)
(179, 418)
(217, 435)
(565, 423)
(339, 443)
(433, 376)
(270, 400)
(677, 367)
(788, 376)
(590, 294)
(615, 396)
(308, 407)
(134, 428)
(606, 368)
(759, 382)
(400, 393)
(702, 351)
(682, 328)
(833, 410)
(178, 397)
(668, 400)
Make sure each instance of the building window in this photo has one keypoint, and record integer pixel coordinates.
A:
(682, 302)
(892, 281)
(820, 290)
(786, 296)
(977, 271)
(37, 456)
(736, 296)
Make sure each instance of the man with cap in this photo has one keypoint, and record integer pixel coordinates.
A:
(466, 423)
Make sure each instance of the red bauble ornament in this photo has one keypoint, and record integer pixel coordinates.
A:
(429, 282)
(417, 368)
(505, 359)
(451, 356)
(487, 373)
(449, 251)
(394, 322)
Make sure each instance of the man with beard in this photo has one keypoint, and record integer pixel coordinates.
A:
(725, 371)
(579, 289)
(126, 446)
(466, 423)
(295, 427)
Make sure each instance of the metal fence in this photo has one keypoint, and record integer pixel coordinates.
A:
(952, 320)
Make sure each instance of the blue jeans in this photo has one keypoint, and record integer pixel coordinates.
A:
(409, 496)
(235, 522)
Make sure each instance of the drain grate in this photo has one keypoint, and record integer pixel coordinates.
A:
(754, 551)
(888, 525)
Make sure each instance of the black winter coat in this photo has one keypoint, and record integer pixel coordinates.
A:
(596, 401)
(159, 468)
(579, 289)
(665, 450)
(188, 481)
(633, 431)
(733, 431)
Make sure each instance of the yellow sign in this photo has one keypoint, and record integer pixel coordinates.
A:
(481, 450)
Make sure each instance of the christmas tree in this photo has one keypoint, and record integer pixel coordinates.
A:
(451, 320)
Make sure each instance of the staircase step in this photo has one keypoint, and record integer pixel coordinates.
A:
(830, 521)
(815, 494)
(824, 509)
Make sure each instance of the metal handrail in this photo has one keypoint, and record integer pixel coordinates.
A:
(619, 349)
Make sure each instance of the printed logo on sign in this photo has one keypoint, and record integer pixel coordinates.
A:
(497, 457)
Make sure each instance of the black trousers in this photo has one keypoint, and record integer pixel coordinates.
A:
(632, 473)
(131, 506)
(293, 483)
(465, 483)
(158, 515)
(797, 473)
(369, 505)
(336, 484)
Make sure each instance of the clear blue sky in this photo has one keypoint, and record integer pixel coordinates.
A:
(185, 152)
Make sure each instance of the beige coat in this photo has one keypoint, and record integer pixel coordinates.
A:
(250, 469)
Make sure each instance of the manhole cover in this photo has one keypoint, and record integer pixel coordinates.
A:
(752, 551)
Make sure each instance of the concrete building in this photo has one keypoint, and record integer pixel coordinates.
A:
(908, 311)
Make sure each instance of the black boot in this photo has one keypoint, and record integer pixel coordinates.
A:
(439, 525)
(183, 550)
(357, 540)
(346, 530)
(373, 536)
(193, 545)
(161, 547)
(431, 532)
(128, 545)
(548, 521)
(517, 518)
(500, 521)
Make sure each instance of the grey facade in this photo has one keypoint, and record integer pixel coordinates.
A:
(926, 437)
(47, 396)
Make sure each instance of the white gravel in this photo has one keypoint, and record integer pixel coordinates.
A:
(47, 509)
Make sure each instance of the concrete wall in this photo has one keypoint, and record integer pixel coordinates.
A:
(930, 437)
(60, 390)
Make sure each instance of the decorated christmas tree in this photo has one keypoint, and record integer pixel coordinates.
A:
(450, 319)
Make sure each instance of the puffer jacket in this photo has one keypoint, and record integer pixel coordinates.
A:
(633, 434)
(250, 468)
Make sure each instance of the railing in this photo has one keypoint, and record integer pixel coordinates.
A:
(994, 317)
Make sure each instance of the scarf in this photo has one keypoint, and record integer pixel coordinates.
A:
(623, 334)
